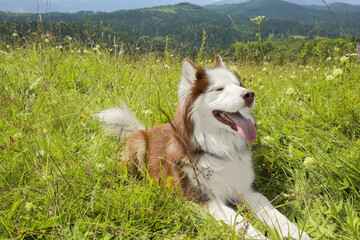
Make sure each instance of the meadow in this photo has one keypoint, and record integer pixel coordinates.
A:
(61, 177)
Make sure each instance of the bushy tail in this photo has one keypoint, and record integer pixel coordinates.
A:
(119, 121)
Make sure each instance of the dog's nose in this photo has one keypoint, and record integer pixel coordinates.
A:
(248, 96)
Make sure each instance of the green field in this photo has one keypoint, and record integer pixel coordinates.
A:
(60, 175)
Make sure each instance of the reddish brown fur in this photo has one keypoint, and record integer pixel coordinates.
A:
(239, 78)
(218, 61)
(164, 149)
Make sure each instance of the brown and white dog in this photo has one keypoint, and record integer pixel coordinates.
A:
(204, 149)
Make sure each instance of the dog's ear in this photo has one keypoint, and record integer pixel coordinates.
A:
(219, 62)
(187, 78)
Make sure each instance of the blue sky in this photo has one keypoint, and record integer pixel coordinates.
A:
(113, 5)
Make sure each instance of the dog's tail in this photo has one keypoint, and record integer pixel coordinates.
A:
(119, 121)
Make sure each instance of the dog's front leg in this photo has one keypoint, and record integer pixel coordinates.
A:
(267, 213)
(221, 212)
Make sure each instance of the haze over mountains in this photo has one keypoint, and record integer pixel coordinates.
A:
(33, 6)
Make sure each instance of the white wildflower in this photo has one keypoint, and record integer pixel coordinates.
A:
(309, 162)
(290, 91)
(337, 72)
(329, 77)
(100, 166)
(29, 206)
(257, 20)
(344, 59)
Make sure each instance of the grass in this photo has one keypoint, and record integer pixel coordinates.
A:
(60, 175)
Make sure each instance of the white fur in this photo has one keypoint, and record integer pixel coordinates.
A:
(208, 131)
(226, 172)
(119, 121)
(186, 79)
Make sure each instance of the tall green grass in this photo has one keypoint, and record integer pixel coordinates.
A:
(60, 175)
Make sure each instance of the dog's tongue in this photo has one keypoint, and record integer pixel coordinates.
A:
(244, 126)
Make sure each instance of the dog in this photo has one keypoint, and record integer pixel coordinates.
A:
(204, 149)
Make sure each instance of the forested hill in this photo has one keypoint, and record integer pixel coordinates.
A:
(224, 24)
(291, 11)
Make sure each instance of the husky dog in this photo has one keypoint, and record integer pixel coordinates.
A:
(204, 149)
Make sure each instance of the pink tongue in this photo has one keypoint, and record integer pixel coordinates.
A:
(244, 126)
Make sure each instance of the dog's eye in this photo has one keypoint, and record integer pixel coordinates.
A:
(219, 89)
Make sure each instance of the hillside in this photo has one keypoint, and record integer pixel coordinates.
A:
(224, 24)
(290, 11)
(162, 20)
(275, 9)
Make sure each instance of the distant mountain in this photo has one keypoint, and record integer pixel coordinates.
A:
(291, 11)
(274, 9)
(299, 2)
(320, 2)
(41, 6)
(341, 8)
(184, 22)
(229, 2)
(224, 24)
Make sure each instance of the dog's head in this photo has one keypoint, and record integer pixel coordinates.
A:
(216, 100)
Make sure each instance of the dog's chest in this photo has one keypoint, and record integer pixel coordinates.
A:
(223, 177)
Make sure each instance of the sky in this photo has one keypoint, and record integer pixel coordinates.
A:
(113, 5)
